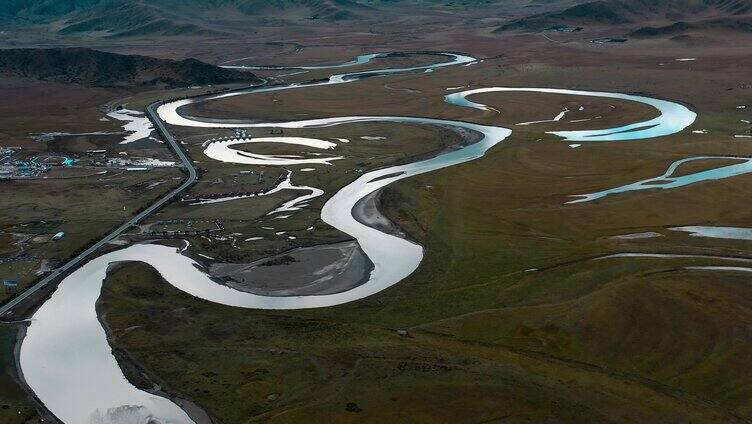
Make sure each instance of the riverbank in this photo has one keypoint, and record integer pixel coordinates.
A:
(16, 406)
(305, 271)
(136, 373)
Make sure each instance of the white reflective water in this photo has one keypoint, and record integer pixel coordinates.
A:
(221, 150)
(168, 112)
(137, 125)
(636, 236)
(674, 256)
(394, 258)
(298, 202)
(733, 233)
(67, 362)
(719, 268)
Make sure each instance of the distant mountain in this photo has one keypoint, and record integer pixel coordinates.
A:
(622, 12)
(740, 24)
(127, 18)
(124, 19)
(96, 68)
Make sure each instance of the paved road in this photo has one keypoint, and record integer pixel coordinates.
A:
(192, 177)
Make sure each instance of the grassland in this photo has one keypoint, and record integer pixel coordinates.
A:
(15, 405)
(85, 209)
(509, 317)
(587, 342)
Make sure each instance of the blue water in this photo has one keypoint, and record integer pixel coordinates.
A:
(666, 181)
(672, 118)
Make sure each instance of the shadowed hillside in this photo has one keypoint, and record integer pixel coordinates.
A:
(92, 67)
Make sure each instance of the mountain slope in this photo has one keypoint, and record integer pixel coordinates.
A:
(96, 68)
(735, 24)
(621, 12)
(125, 18)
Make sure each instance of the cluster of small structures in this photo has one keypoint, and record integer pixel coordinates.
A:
(14, 164)
(99, 158)
(241, 133)
(10, 285)
(238, 133)
(13, 167)
(182, 227)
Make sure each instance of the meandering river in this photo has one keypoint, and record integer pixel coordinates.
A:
(65, 357)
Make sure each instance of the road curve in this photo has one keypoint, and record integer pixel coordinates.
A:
(189, 181)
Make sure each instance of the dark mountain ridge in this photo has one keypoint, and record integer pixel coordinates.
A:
(97, 68)
(735, 24)
(623, 12)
